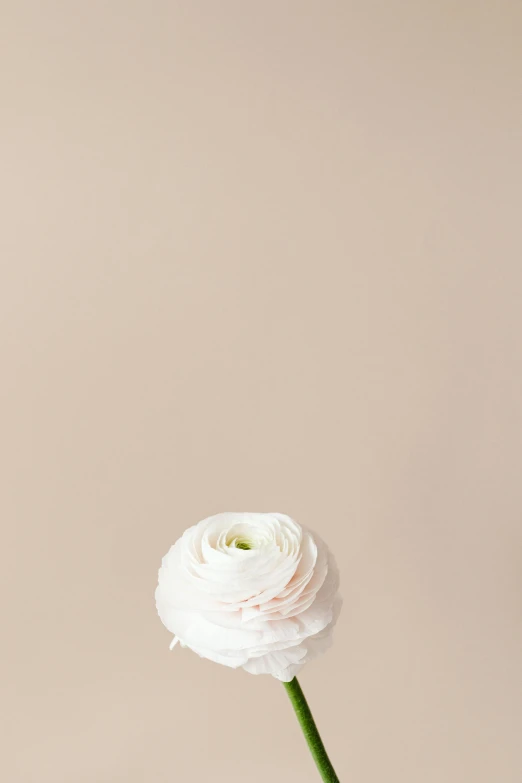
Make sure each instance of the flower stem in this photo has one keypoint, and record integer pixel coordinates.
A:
(312, 736)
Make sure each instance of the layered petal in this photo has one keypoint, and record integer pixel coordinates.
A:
(252, 590)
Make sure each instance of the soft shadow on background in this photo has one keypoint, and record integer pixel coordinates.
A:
(262, 256)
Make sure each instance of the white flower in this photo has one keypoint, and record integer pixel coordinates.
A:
(251, 590)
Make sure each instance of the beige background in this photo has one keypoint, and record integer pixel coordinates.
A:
(264, 256)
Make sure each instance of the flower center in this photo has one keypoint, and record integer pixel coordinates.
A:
(241, 540)
(242, 536)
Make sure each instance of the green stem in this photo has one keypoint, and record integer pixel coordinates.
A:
(312, 736)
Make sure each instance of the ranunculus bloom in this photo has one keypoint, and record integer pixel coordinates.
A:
(251, 590)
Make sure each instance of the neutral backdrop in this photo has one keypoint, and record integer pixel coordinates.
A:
(261, 256)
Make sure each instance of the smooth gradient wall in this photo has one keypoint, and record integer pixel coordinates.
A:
(261, 256)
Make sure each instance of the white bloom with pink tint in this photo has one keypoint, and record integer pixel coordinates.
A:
(256, 591)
